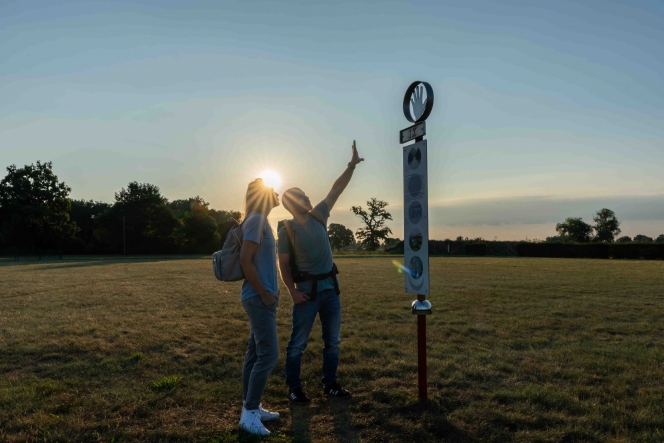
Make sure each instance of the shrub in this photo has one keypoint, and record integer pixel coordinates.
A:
(563, 250)
(476, 249)
(648, 251)
(635, 251)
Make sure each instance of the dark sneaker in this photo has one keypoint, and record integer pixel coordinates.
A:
(335, 390)
(298, 397)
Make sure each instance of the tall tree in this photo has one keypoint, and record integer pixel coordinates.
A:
(340, 236)
(607, 226)
(640, 238)
(223, 219)
(574, 229)
(86, 215)
(199, 231)
(374, 221)
(34, 208)
(149, 225)
(660, 238)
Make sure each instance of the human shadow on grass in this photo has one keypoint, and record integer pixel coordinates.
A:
(300, 423)
(343, 420)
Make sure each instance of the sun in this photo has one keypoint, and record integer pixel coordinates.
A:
(271, 179)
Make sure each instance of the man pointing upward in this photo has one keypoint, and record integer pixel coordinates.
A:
(307, 269)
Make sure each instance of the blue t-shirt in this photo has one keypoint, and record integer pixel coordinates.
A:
(256, 228)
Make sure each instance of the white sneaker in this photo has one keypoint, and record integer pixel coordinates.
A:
(251, 423)
(264, 414)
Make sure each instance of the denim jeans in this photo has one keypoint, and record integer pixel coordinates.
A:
(328, 306)
(262, 352)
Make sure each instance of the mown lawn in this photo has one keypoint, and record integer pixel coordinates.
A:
(519, 350)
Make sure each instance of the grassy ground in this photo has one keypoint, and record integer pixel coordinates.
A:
(519, 350)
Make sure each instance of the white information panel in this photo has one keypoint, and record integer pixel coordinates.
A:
(416, 218)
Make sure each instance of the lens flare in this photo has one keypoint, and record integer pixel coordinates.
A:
(400, 267)
(271, 179)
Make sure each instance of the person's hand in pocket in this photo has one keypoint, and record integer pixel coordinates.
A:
(268, 298)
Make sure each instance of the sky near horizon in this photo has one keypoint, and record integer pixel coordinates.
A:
(543, 110)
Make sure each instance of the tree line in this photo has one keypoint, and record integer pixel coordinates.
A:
(605, 229)
(37, 215)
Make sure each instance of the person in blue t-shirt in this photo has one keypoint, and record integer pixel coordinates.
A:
(315, 290)
(260, 298)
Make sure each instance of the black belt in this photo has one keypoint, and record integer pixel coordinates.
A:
(315, 278)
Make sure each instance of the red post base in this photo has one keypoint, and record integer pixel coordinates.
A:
(422, 354)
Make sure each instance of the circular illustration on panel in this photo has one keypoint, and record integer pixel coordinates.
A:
(415, 240)
(416, 267)
(415, 212)
(414, 158)
(415, 185)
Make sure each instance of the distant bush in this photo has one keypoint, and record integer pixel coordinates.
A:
(476, 249)
(563, 250)
(640, 238)
(648, 251)
(460, 247)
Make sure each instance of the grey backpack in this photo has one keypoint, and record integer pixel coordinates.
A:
(226, 263)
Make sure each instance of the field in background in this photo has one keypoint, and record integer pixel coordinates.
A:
(553, 350)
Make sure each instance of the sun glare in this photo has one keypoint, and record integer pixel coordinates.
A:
(271, 179)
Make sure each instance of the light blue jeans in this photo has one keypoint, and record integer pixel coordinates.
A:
(262, 352)
(328, 306)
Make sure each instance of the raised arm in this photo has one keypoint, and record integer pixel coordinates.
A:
(343, 180)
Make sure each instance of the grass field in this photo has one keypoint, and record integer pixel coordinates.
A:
(519, 350)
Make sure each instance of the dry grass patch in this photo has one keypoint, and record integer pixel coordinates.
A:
(519, 350)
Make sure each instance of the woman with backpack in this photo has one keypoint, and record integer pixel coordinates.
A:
(260, 298)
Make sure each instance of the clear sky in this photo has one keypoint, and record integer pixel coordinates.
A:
(543, 110)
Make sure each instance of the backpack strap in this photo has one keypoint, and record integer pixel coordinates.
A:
(318, 218)
(244, 220)
(295, 273)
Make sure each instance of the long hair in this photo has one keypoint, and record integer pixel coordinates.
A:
(259, 198)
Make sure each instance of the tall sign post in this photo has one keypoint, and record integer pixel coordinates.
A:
(417, 105)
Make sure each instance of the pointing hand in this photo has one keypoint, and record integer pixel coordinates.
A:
(356, 157)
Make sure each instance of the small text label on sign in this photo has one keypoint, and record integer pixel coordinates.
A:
(418, 130)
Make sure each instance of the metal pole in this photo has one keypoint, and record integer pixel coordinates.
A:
(124, 237)
(421, 343)
(422, 353)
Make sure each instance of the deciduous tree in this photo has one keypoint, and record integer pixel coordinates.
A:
(640, 238)
(340, 236)
(575, 229)
(198, 231)
(34, 208)
(223, 219)
(149, 224)
(607, 226)
(86, 215)
(374, 221)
